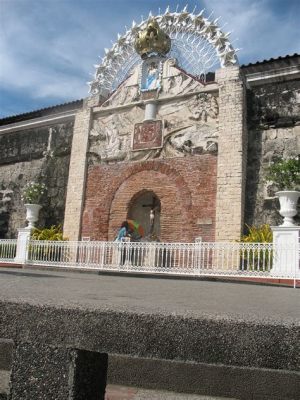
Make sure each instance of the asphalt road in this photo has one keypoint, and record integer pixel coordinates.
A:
(196, 298)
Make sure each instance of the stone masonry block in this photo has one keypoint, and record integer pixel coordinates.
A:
(77, 174)
(232, 147)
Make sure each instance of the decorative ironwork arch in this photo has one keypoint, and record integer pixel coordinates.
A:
(198, 45)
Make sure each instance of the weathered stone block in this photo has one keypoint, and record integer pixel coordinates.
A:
(232, 147)
(27, 155)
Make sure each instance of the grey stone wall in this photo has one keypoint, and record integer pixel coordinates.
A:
(274, 132)
(40, 153)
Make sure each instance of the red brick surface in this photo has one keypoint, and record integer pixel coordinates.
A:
(186, 188)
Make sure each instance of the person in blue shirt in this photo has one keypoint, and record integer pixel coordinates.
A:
(123, 232)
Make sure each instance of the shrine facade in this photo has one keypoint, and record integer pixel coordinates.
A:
(168, 132)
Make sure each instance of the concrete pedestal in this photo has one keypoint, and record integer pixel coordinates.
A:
(286, 252)
(150, 111)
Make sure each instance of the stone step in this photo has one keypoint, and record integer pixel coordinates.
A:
(4, 383)
(116, 392)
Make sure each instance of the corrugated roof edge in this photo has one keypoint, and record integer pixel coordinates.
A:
(41, 112)
(288, 56)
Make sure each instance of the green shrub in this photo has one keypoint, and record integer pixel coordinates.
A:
(253, 259)
(33, 193)
(48, 252)
(258, 234)
(285, 173)
(53, 233)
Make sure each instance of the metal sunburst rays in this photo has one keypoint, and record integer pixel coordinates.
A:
(198, 45)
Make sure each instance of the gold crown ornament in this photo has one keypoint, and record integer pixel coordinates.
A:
(152, 40)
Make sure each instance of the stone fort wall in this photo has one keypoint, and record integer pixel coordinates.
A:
(27, 155)
(273, 132)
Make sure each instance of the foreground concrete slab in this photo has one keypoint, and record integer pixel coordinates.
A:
(204, 338)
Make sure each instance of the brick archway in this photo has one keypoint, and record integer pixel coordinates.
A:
(174, 219)
(186, 187)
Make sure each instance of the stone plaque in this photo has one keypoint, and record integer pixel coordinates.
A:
(147, 135)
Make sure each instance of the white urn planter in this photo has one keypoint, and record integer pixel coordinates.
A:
(32, 214)
(288, 200)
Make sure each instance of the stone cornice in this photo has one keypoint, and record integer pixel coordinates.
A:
(37, 122)
(274, 75)
(213, 87)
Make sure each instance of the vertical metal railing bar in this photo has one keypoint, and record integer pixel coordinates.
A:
(8, 249)
(174, 251)
(188, 258)
(297, 263)
(243, 258)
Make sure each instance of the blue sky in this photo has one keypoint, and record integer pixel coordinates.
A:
(48, 47)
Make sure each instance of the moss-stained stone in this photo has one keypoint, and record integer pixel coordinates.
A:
(273, 132)
(40, 153)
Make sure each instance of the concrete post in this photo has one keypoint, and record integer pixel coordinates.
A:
(232, 154)
(286, 252)
(77, 174)
(22, 245)
(54, 373)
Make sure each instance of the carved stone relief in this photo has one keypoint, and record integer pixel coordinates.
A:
(196, 139)
(190, 124)
(204, 107)
(106, 143)
(110, 136)
(190, 127)
(176, 82)
(127, 94)
(179, 84)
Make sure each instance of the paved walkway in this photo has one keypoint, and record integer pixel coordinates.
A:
(151, 295)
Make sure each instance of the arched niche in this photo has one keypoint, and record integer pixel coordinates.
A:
(141, 206)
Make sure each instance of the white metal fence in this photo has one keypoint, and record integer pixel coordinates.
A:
(8, 248)
(197, 259)
(194, 259)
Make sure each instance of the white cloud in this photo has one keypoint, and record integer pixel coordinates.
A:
(258, 28)
(46, 61)
(47, 49)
